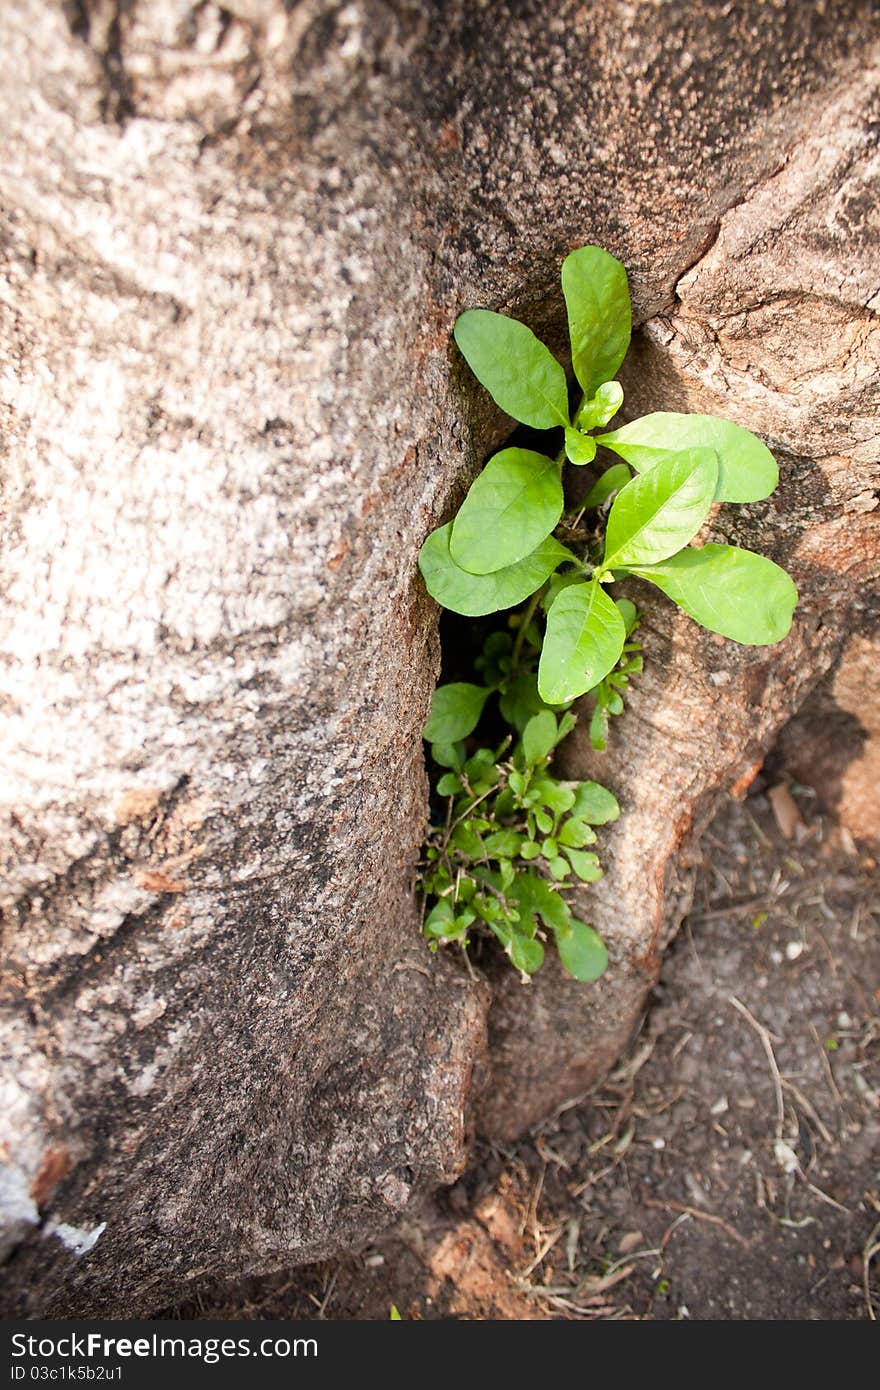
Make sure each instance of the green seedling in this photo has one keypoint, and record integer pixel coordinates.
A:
(512, 542)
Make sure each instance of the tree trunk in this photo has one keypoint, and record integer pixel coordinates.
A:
(236, 240)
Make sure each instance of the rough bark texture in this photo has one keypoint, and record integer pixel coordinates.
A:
(833, 744)
(235, 242)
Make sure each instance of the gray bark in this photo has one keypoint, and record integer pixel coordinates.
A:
(235, 244)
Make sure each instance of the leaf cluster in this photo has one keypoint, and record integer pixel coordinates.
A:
(501, 547)
(513, 835)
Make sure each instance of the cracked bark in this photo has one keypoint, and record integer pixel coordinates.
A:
(235, 242)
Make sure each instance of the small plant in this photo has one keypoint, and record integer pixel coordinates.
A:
(512, 833)
(511, 542)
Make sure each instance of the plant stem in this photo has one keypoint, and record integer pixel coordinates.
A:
(525, 621)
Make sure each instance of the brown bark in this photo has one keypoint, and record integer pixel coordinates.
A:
(833, 744)
(235, 243)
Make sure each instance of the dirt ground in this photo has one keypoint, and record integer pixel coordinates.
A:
(728, 1169)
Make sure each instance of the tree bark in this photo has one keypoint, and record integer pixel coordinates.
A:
(235, 243)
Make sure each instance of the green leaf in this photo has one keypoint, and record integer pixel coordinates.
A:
(525, 954)
(549, 848)
(599, 314)
(576, 832)
(581, 950)
(464, 838)
(537, 898)
(612, 480)
(556, 795)
(449, 784)
(629, 613)
(566, 724)
(579, 448)
(543, 822)
(559, 868)
(455, 711)
(606, 402)
(520, 700)
(502, 843)
(481, 764)
(735, 592)
(517, 370)
(517, 783)
(660, 511)
(585, 864)
(511, 507)
(557, 583)
(448, 755)
(440, 921)
(474, 595)
(594, 804)
(529, 850)
(583, 641)
(539, 737)
(599, 728)
(747, 470)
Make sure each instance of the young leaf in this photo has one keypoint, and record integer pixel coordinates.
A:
(520, 700)
(599, 315)
(599, 728)
(539, 737)
(576, 833)
(584, 639)
(594, 804)
(558, 582)
(474, 595)
(579, 448)
(629, 613)
(440, 921)
(747, 470)
(517, 370)
(467, 840)
(503, 844)
(606, 402)
(526, 955)
(536, 898)
(660, 511)
(559, 868)
(511, 507)
(448, 755)
(585, 864)
(612, 480)
(455, 711)
(581, 950)
(735, 592)
(556, 795)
